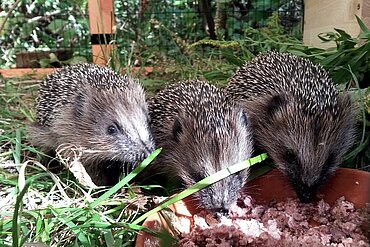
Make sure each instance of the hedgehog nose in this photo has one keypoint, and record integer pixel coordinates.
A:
(150, 149)
(219, 212)
(146, 151)
(306, 197)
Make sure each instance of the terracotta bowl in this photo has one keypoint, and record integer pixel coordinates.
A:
(353, 184)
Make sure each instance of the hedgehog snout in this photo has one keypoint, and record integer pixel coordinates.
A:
(219, 197)
(220, 212)
(212, 201)
(145, 150)
(306, 194)
(306, 197)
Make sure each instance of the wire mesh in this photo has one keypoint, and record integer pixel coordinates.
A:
(36, 29)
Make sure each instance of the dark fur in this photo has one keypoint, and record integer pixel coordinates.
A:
(95, 109)
(201, 132)
(297, 116)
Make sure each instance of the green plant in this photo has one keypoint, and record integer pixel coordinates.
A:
(350, 54)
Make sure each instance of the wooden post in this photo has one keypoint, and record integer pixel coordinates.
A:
(101, 19)
(323, 16)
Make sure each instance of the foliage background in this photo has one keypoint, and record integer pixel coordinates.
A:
(43, 25)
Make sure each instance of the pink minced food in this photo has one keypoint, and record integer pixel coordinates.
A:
(288, 223)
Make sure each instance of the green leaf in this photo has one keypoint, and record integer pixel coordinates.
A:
(179, 3)
(327, 37)
(321, 36)
(231, 58)
(108, 237)
(341, 76)
(219, 75)
(39, 226)
(56, 25)
(362, 25)
(264, 5)
(76, 60)
(44, 62)
(343, 33)
(26, 30)
(283, 48)
(297, 53)
(330, 59)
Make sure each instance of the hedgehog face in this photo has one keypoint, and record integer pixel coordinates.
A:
(111, 124)
(96, 110)
(201, 132)
(211, 146)
(219, 196)
(306, 147)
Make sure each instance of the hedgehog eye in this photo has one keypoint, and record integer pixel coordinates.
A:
(196, 176)
(328, 164)
(112, 130)
(290, 156)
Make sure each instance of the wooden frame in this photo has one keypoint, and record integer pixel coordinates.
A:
(35, 73)
(39, 73)
(101, 20)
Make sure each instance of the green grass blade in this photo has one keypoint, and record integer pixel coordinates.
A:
(18, 146)
(18, 209)
(362, 25)
(72, 226)
(126, 179)
(27, 114)
(108, 237)
(204, 183)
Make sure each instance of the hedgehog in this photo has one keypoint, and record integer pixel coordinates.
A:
(201, 132)
(99, 111)
(297, 116)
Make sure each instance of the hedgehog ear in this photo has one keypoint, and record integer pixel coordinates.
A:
(176, 129)
(79, 104)
(275, 104)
